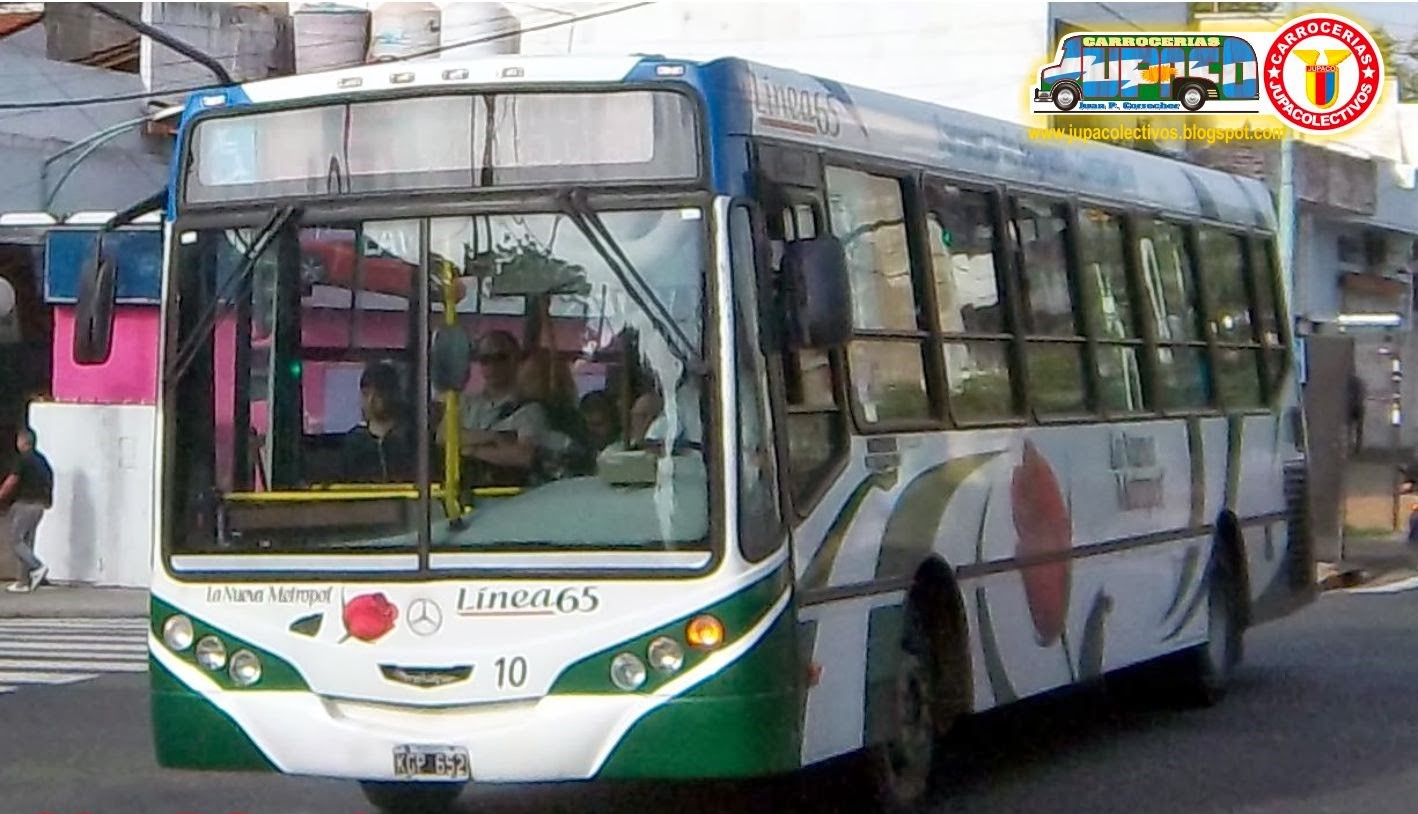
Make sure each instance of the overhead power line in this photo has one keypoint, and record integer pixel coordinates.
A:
(129, 97)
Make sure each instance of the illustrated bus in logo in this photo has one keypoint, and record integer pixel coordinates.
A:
(1122, 73)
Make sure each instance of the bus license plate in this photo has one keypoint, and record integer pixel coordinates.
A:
(434, 762)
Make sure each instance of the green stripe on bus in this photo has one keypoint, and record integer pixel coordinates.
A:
(190, 732)
(276, 672)
(742, 722)
(1000, 684)
(1190, 563)
(819, 571)
(911, 529)
(1196, 449)
(738, 613)
(884, 631)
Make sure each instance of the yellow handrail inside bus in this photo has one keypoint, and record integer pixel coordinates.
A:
(452, 443)
(352, 491)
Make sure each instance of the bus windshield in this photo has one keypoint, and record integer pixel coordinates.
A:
(293, 371)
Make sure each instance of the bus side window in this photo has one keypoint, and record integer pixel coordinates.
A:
(759, 522)
(1223, 265)
(886, 357)
(970, 303)
(1270, 313)
(1102, 253)
(1182, 362)
(1055, 346)
(815, 418)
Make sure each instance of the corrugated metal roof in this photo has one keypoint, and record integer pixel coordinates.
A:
(13, 21)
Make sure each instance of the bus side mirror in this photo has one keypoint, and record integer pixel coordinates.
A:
(93, 314)
(450, 358)
(817, 293)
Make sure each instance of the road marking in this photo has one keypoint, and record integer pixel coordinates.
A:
(37, 651)
(1408, 584)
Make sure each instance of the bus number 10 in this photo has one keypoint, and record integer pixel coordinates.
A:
(511, 672)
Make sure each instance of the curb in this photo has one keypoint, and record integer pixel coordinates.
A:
(1347, 578)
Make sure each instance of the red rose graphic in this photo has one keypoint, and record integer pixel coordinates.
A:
(1041, 520)
(369, 616)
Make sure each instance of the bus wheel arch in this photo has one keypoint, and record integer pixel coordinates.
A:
(936, 592)
(1066, 95)
(930, 689)
(1230, 551)
(1211, 665)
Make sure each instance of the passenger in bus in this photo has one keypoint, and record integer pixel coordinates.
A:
(544, 380)
(598, 414)
(381, 448)
(500, 429)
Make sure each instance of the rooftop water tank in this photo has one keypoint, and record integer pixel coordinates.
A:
(479, 30)
(400, 30)
(330, 36)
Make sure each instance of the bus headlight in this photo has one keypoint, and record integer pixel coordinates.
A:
(177, 632)
(704, 632)
(666, 655)
(211, 653)
(245, 668)
(627, 671)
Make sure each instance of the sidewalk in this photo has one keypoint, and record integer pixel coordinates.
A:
(75, 601)
(1371, 561)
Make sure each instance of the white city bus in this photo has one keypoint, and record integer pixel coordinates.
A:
(734, 403)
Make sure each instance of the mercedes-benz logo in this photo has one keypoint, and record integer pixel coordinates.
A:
(424, 617)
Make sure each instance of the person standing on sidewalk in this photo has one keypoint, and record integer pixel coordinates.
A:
(27, 490)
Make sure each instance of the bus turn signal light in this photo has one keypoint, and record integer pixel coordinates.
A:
(704, 632)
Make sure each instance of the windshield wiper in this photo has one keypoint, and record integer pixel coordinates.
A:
(574, 206)
(235, 287)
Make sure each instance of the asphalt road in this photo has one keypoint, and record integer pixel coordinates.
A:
(1323, 718)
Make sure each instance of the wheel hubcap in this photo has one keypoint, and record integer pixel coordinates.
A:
(1066, 98)
(1193, 96)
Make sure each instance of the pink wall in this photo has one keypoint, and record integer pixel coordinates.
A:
(130, 376)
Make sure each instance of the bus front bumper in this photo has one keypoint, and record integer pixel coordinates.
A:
(742, 718)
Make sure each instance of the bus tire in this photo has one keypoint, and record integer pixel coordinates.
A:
(903, 768)
(411, 798)
(1210, 666)
(1066, 96)
(1192, 97)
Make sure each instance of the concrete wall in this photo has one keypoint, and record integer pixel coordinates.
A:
(100, 530)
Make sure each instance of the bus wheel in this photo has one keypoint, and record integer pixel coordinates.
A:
(1065, 97)
(411, 798)
(902, 767)
(1211, 665)
(1193, 97)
